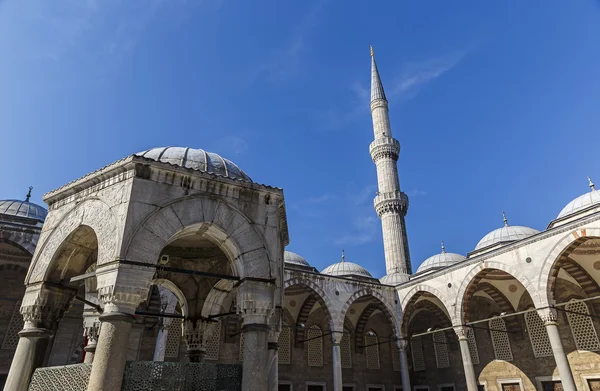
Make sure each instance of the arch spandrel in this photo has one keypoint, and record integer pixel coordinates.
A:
(92, 213)
(472, 275)
(217, 220)
(565, 245)
(391, 311)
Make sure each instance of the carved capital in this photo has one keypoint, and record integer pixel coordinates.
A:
(548, 315)
(196, 333)
(122, 287)
(336, 337)
(44, 305)
(462, 332)
(402, 344)
(255, 302)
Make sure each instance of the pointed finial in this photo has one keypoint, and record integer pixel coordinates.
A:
(372, 51)
(505, 219)
(443, 247)
(28, 196)
(343, 256)
(592, 186)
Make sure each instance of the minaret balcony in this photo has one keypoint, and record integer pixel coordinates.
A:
(391, 202)
(384, 147)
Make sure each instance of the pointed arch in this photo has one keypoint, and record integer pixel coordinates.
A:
(322, 298)
(411, 305)
(387, 308)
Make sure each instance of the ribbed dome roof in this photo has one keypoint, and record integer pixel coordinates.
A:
(23, 209)
(294, 259)
(345, 268)
(508, 233)
(196, 159)
(440, 260)
(581, 202)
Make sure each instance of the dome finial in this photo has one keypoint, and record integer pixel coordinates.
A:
(443, 247)
(28, 196)
(592, 186)
(372, 51)
(505, 219)
(343, 256)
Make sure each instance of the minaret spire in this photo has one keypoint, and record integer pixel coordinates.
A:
(505, 219)
(390, 203)
(592, 186)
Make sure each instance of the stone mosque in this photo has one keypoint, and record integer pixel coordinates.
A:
(167, 270)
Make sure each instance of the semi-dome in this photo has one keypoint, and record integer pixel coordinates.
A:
(583, 201)
(508, 233)
(24, 209)
(196, 159)
(294, 259)
(440, 260)
(346, 269)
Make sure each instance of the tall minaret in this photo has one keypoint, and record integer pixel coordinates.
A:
(390, 203)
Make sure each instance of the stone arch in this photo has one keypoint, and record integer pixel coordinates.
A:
(173, 288)
(387, 308)
(213, 304)
(18, 240)
(560, 251)
(512, 322)
(361, 323)
(317, 294)
(92, 213)
(409, 305)
(217, 220)
(472, 277)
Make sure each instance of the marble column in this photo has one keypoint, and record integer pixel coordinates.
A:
(273, 381)
(404, 373)
(549, 317)
(42, 308)
(256, 306)
(121, 288)
(160, 346)
(463, 340)
(336, 340)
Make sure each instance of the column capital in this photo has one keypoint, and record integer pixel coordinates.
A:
(43, 305)
(462, 332)
(336, 337)
(196, 333)
(402, 344)
(256, 302)
(548, 315)
(122, 287)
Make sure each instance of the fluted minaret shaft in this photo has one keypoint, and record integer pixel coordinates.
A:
(390, 203)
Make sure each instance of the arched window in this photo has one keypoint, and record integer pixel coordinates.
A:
(540, 343)
(315, 346)
(346, 351)
(212, 347)
(500, 340)
(416, 348)
(11, 338)
(473, 346)
(582, 326)
(441, 349)
(372, 350)
(285, 349)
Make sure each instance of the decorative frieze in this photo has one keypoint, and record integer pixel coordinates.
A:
(391, 202)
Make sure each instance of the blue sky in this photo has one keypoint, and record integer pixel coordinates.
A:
(495, 104)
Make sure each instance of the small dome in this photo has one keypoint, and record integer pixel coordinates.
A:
(24, 209)
(508, 233)
(583, 201)
(440, 260)
(394, 278)
(346, 269)
(294, 259)
(196, 159)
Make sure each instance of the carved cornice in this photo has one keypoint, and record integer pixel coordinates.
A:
(384, 148)
(392, 202)
(379, 103)
(43, 306)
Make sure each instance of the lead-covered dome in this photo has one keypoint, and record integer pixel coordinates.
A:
(346, 269)
(24, 209)
(506, 234)
(440, 260)
(294, 259)
(582, 202)
(196, 159)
